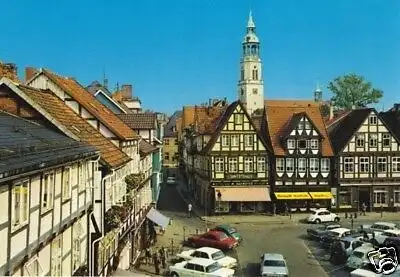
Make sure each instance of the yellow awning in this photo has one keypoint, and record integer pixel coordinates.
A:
(321, 195)
(292, 195)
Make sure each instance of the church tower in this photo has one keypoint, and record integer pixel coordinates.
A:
(251, 85)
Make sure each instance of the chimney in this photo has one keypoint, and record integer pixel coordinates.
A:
(126, 91)
(9, 70)
(331, 106)
(30, 72)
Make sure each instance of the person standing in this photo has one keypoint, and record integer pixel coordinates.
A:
(156, 262)
(163, 257)
(364, 208)
(190, 210)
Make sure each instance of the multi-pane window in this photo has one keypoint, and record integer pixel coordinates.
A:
(395, 164)
(325, 165)
(248, 140)
(314, 165)
(373, 140)
(34, 268)
(20, 198)
(225, 140)
(348, 164)
(82, 176)
(233, 164)
(280, 164)
(373, 120)
(301, 165)
(219, 164)
(261, 164)
(248, 164)
(47, 191)
(360, 140)
(66, 183)
(381, 196)
(386, 140)
(77, 232)
(291, 144)
(382, 164)
(56, 256)
(314, 144)
(235, 140)
(363, 164)
(238, 118)
(302, 144)
(289, 164)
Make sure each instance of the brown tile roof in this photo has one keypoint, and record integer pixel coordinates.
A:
(89, 102)
(279, 114)
(146, 148)
(138, 121)
(9, 70)
(110, 153)
(203, 118)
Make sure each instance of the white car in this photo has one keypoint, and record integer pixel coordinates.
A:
(211, 254)
(198, 267)
(359, 257)
(379, 227)
(272, 265)
(170, 180)
(322, 215)
(380, 237)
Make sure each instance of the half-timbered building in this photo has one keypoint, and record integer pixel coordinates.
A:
(233, 165)
(303, 155)
(46, 188)
(368, 159)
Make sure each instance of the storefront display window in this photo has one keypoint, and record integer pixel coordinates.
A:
(221, 207)
(380, 197)
(345, 198)
(248, 207)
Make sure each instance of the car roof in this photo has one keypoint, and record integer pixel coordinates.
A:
(208, 249)
(273, 256)
(340, 230)
(391, 224)
(201, 261)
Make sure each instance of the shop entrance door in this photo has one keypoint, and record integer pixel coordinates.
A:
(364, 197)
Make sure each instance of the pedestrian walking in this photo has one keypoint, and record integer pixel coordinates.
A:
(163, 257)
(190, 210)
(156, 262)
(363, 208)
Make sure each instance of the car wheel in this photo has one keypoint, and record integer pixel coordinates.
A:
(318, 221)
(174, 274)
(337, 219)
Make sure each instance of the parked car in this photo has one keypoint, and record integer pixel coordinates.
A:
(198, 267)
(380, 237)
(214, 239)
(359, 256)
(322, 215)
(379, 227)
(171, 180)
(359, 272)
(211, 254)
(273, 264)
(351, 243)
(317, 232)
(330, 236)
(229, 231)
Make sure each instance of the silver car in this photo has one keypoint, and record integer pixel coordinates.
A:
(273, 265)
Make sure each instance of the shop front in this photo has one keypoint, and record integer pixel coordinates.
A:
(241, 199)
(302, 201)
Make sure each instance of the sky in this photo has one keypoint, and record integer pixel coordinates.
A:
(183, 52)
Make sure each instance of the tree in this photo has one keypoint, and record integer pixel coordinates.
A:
(352, 90)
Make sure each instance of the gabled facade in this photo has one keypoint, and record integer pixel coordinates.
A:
(368, 159)
(302, 151)
(171, 143)
(103, 95)
(232, 168)
(46, 190)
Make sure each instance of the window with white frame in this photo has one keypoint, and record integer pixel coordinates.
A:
(280, 164)
(396, 195)
(291, 144)
(238, 118)
(363, 164)
(233, 164)
(380, 196)
(48, 184)
(77, 233)
(301, 165)
(314, 165)
(56, 256)
(248, 140)
(289, 164)
(248, 164)
(348, 164)
(20, 198)
(34, 268)
(235, 140)
(373, 140)
(395, 164)
(219, 164)
(382, 164)
(82, 175)
(225, 140)
(373, 120)
(261, 164)
(386, 140)
(314, 144)
(360, 140)
(66, 183)
(325, 165)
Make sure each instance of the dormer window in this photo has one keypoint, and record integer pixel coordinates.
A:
(291, 144)
(373, 120)
(314, 144)
(302, 144)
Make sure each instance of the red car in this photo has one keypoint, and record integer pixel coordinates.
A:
(214, 239)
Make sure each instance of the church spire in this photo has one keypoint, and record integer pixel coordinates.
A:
(250, 22)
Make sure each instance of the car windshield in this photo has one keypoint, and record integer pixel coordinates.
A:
(275, 263)
(231, 230)
(217, 255)
(358, 254)
(213, 267)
